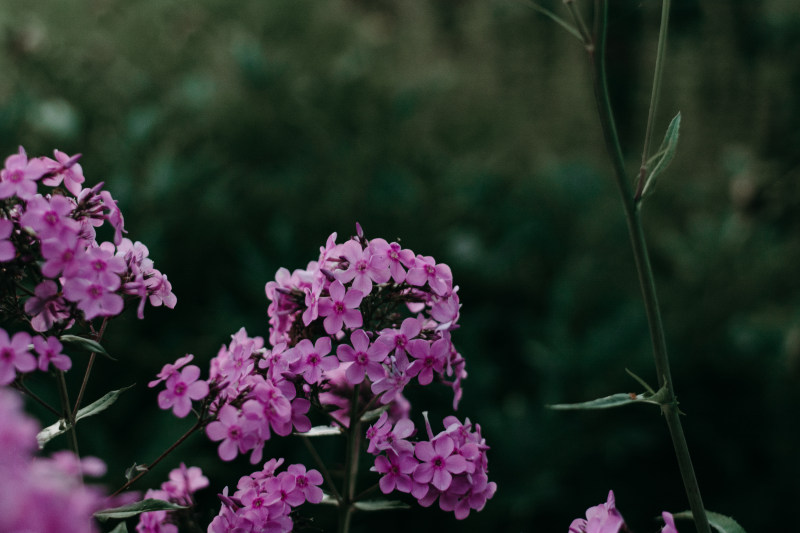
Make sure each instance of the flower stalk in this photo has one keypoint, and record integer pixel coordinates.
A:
(644, 271)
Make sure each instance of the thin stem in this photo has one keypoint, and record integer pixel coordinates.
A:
(644, 271)
(68, 416)
(166, 452)
(86, 374)
(25, 390)
(351, 465)
(322, 468)
(654, 95)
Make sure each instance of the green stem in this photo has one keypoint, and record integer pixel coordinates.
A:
(86, 374)
(322, 468)
(644, 270)
(351, 465)
(68, 416)
(661, 53)
(199, 424)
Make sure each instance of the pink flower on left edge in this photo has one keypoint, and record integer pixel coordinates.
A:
(182, 388)
(603, 518)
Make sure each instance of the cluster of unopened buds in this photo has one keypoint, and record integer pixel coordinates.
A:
(347, 335)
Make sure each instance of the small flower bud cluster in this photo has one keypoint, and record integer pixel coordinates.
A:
(48, 247)
(263, 500)
(183, 483)
(41, 495)
(450, 466)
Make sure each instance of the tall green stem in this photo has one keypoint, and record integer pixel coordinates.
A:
(639, 246)
(351, 465)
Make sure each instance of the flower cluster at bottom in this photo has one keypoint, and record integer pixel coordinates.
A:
(45, 494)
(605, 518)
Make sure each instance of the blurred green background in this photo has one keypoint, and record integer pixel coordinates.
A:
(237, 135)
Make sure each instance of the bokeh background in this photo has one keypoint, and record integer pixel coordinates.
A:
(238, 135)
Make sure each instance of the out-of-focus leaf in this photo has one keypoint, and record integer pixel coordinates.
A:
(380, 505)
(321, 431)
(615, 400)
(665, 154)
(134, 509)
(720, 522)
(87, 344)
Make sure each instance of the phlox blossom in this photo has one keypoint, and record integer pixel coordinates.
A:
(14, 355)
(603, 518)
(182, 388)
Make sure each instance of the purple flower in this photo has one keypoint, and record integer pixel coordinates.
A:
(93, 298)
(14, 355)
(50, 352)
(364, 359)
(397, 257)
(169, 369)
(50, 219)
(183, 482)
(438, 462)
(46, 306)
(64, 168)
(182, 388)
(669, 523)
(340, 308)
(429, 358)
(19, 176)
(61, 255)
(396, 470)
(7, 250)
(603, 518)
(363, 268)
(307, 482)
(314, 359)
(234, 430)
(438, 276)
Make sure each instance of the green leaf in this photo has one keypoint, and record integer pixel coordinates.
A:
(62, 426)
(121, 528)
(87, 344)
(373, 415)
(616, 400)
(380, 505)
(134, 509)
(321, 431)
(720, 522)
(665, 154)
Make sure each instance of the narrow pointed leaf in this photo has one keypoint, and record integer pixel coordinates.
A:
(380, 505)
(87, 344)
(558, 20)
(667, 151)
(321, 431)
(615, 400)
(134, 509)
(371, 416)
(720, 522)
(62, 426)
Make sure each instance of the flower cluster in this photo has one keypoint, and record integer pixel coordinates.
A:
(49, 248)
(264, 499)
(450, 466)
(359, 324)
(45, 494)
(183, 483)
(605, 518)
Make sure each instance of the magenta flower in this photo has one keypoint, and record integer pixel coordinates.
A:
(397, 340)
(397, 257)
(7, 250)
(50, 352)
(438, 276)
(429, 358)
(396, 470)
(307, 482)
(340, 308)
(363, 268)
(669, 523)
(101, 266)
(14, 355)
(93, 298)
(61, 255)
(50, 219)
(365, 359)
(46, 307)
(603, 518)
(234, 430)
(314, 359)
(19, 176)
(182, 388)
(64, 168)
(169, 369)
(183, 482)
(438, 462)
